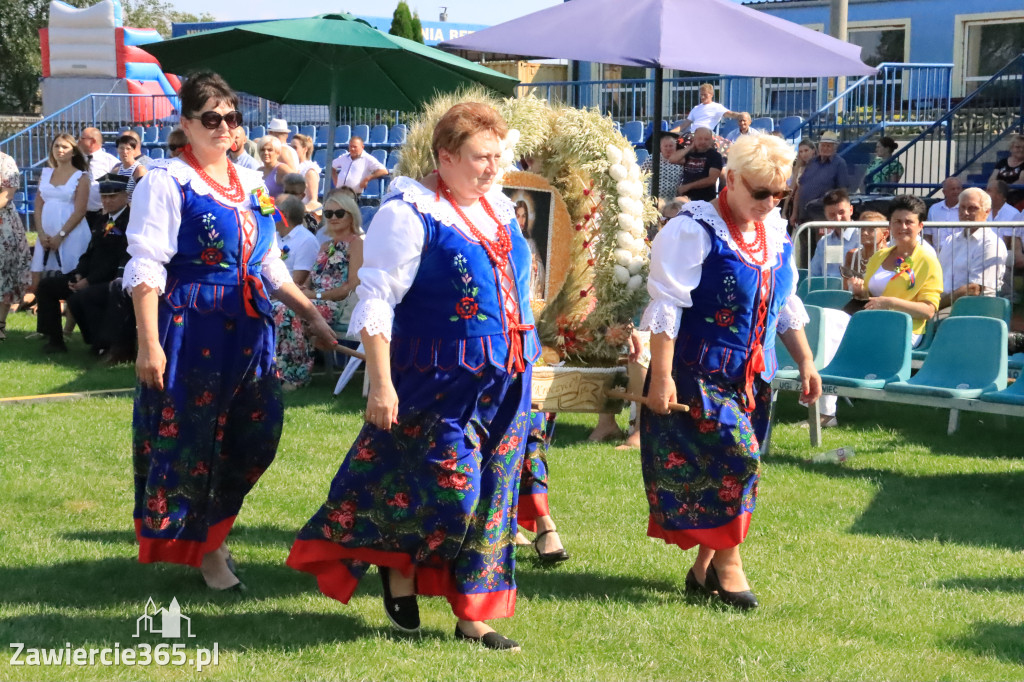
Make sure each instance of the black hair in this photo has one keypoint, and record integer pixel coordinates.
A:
(888, 143)
(908, 202)
(204, 86)
(836, 196)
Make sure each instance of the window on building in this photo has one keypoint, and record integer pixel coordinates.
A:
(880, 43)
(990, 46)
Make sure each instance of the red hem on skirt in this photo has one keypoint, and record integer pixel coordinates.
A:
(189, 552)
(530, 507)
(322, 559)
(723, 537)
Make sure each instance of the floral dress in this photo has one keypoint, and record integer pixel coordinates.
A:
(15, 255)
(294, 350)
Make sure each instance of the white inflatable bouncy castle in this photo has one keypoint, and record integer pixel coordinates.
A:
(89, 50)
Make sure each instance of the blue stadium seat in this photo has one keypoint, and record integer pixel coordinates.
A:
(367, 213)
(828, 298)
(258, 132)
(378, 137)
(765, 124)
(634, 132)
(982, 306)
(308, 130)
(373, 190)
(1014, 395)
(156, 152)
(393, 159)
(726, 126)
(790, 127)
(677, 124)
(20, 203)
(875, 350)
(949, 372)
(381, 156)
(320, 158)
(292, 129)
(165, 132)
(342, 134)
(362, 130)
(396, 136)
(140, 131)
(817, 284)
(122, 130)
(642, 155)
(320, 141)
(151, 135)
(110, 148)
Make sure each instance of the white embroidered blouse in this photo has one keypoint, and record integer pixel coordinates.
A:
(677, 258)
(394, 244)
(156, 216)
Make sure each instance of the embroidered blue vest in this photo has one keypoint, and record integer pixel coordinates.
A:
(718, 332)
(454, 312)
(214, 269)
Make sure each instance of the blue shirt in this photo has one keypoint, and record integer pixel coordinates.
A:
(850, 240)
(820, 177)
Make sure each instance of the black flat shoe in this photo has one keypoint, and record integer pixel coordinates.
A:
(694, 587)
(744, 600)
(403, 612)
(549, 557)
(492, 640)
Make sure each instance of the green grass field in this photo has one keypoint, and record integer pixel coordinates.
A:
(905, 563)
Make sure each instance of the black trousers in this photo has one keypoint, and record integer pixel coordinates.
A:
(49, 294)
(105, 315)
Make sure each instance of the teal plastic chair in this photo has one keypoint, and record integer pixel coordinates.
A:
(982, 306)
(801, 274)
(967, 358)
(815, 339)
(921, 352)
(1014, 395)
(817, 284)
(828, 298)
(875, 350)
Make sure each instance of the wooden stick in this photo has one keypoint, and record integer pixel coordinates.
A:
(630, 397)
(345, 350)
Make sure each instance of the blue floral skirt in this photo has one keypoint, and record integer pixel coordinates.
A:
(437, 492)
(533, 486)
(202, 443)
(701, 466)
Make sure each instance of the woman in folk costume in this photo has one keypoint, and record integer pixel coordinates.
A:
(428, 491)
(208, 410)
(722, 282)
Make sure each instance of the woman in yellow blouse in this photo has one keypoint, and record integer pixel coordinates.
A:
(906, 276)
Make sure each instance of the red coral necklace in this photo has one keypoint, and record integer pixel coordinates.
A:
(758, 251)
(233, 192)
(497, 249)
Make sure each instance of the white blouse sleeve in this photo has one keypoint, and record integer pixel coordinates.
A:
(677, 258)
(391, 257)
(275, 272)
(793, 314)
(152, 230)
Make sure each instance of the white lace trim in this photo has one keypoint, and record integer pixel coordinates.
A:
(184, 174)
(662, 315)
(276, 273)
(373, 315)
(775, 231)
(792, 317)
(144, 271)
(426, 202)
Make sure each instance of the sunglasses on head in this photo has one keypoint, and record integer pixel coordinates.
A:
(761, 193)
(339, 214)
(211, 119)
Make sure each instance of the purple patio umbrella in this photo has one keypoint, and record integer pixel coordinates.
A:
(709, 36)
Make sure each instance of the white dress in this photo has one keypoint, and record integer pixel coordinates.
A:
(58, 205)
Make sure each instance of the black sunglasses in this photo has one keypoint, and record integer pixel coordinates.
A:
(211, 119)
(175, 147)
(762, 194)
(339, 214)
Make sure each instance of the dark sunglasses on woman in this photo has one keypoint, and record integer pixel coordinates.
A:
(339, 214)
(760, 194)
(211, 119)
(175, 147)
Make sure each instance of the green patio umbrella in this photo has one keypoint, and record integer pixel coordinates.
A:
(332, 59)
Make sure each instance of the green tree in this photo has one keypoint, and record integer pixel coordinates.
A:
(417, 28)
(401, 22)
(20, 59)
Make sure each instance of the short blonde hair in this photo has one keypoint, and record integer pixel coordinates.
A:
(463, 121)
(271, 140)
(761, 157)
(873, 216)
(706, 86)
(345, 201)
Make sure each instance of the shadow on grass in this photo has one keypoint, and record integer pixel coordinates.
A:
(957, 508)
(1011, 584)
(1001, 641)
(563, 583)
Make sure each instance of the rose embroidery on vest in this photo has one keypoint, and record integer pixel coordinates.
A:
(467, 307)
(726, 315)
(212, 243)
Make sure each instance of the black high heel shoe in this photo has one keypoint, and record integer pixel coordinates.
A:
(403, 612)
(745, 600)
(549, 557)
(694, 587)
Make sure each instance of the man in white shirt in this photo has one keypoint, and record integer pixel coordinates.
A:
(744, 128)
(830, 253)
(947, 210)
(707, 114)
(356, 169)
(90, 143)
(973, 259)
(278, 127)
(298, 245)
